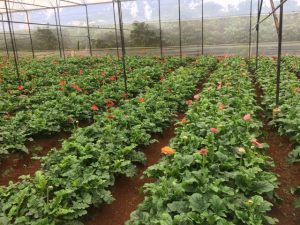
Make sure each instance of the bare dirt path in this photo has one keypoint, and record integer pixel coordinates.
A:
(288, 174)
(18, 164)
(126, 191)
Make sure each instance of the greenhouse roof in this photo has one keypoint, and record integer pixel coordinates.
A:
(21, 5)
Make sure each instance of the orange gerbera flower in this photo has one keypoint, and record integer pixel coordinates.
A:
(141, 99)
(189, 102)
(221, 106)
(184, 120)
(167, 150)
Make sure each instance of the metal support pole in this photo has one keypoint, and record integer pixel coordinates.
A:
(30, 36)
(116, 32)
(61, 36)
(5, 40)
(259, 5)
(13, 31)
(12, 43)
(202, 28)
(57, 32)
(88, 29)
(179, 19)
(279, 54)
(160, 31)
(250, 32)
(122, 43)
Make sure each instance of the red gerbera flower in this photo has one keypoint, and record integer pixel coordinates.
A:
(125, 95)
(203, 151)
(112, 78)
(110, 116)
(62, 82)
(247, 117)
(109, 103)
(20, 87)
(197, 96)
(94, 107)
(75, 86)
(161, 78)
(256, 143)
(214, 130)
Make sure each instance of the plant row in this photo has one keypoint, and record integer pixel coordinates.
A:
(80, 173)
(286, 117)
(214, 173)
(40, 79)
(71, 102)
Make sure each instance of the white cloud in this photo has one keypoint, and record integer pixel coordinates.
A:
(77, 23)
(147, 10)
(194, 4)
(227, 4)
(49, 13)
(134, 10)
(132, 7)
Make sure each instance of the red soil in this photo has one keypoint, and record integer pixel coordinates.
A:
(126, 191)
(17, 164)
(288, 174)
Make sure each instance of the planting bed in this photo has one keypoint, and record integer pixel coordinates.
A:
(193, 141)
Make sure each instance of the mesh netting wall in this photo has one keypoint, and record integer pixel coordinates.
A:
(226, 29)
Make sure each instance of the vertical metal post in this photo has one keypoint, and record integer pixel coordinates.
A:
(250, 32)
(29, 30)
(13, 31)
(12, 42)
(202, 28)
(279, 54)
(57, 32)
(122, 43)
(4, 34)
(88, 28)
(259, 5)
(61, 36)
(160, 31)
(179, 19)
(116, 32)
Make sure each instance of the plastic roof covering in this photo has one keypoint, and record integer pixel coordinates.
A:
(15, 5)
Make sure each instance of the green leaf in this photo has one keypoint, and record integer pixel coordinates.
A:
(198, 203)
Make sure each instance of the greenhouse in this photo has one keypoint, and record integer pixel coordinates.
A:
(149, 112)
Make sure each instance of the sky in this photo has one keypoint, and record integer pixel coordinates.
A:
(147, 10)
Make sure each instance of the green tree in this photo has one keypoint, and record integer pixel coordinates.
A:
(143, 35)
(45, 39)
